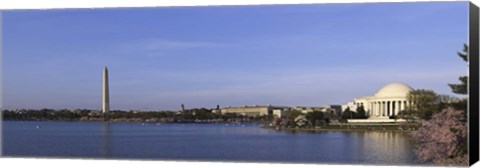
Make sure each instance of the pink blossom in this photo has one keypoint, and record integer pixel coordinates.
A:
(442, 139)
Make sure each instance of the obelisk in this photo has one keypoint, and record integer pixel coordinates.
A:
(106, 97)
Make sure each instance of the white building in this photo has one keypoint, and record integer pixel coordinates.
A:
(255, 110)
(388, 101)
(278, 113)
(306, 110)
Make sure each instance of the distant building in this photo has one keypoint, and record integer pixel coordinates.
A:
(278, 113)
(330, 109)
(254, 110)
(306, 110)
(333, 110)
(216, 111)
(349, 105)
(388, 101)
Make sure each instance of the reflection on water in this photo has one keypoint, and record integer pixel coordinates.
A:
(206, 142)
(385, 146)
(106, 140)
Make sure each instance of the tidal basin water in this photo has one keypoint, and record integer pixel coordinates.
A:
(202, 142)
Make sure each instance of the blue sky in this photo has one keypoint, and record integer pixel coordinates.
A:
(159, 58)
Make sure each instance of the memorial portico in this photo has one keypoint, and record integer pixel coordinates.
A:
(388, 101)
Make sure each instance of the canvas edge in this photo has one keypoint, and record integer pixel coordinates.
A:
(473, 85)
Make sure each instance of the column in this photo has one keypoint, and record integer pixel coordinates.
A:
(380, 113)
(397, 107)
(369, 109)
(379, 108)
(400, 108)
(373, 109)
(387, 111)
(394, 106)
(384, 108)
(391, 108)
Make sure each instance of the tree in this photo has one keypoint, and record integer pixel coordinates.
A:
(300, 121)
(203, 113)
(361, 113)
(442, 139)
(462, 87)
(407, 115)
(292, 114)
(446, 101)
(347, 114)
(424, 103)
(315, 116)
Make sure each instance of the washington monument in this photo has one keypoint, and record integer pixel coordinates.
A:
(106, 97)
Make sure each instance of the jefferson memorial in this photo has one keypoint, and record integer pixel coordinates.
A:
(388, 101)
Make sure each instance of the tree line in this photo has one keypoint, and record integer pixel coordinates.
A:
(201, 115)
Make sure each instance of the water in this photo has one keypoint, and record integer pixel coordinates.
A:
(202, 142)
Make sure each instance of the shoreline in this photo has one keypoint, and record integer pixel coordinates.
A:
(146, 122)
(337, 130)
(330, 128)
(400, 128)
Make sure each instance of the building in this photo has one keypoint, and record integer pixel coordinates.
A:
(333, 110)
(217, 111)
(254, 110)
(249, 110)
(349, 105)
(306, 110)
(278, 113)
(388, 101)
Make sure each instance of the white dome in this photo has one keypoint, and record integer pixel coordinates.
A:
(394, 90)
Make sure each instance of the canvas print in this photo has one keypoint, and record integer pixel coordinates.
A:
(365, 83)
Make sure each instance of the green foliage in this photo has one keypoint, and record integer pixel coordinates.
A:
(408, 115)
(315, 116)
(425, 103)
(464, 55)
(292, 114)
(442, 139)
(361, 113)
(347, 114)
(227, 116)
(462, 87)
(288, 119)
(203, 114)
(460, 105)
(190, 115)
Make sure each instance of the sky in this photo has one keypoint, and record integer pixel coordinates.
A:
(289, 55)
